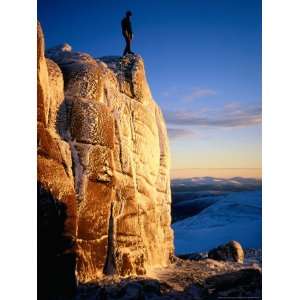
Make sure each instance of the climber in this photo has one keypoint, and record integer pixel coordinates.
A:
(127, 32)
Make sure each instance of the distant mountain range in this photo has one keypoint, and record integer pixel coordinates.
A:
(204, 183)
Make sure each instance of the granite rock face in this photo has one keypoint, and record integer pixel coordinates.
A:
(103, 151)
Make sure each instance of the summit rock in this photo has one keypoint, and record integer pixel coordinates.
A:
(104, 161)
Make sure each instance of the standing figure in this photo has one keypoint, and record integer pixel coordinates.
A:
(127, 32)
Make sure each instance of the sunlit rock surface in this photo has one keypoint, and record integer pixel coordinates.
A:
(103, 151)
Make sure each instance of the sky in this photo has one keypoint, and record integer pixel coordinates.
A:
(203, 64)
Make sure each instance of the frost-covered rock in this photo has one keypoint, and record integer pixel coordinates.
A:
(230, 251)
(110, 142)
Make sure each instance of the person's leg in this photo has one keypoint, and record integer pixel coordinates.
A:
(127, 48)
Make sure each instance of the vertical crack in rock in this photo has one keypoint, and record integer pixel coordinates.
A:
(64, 149)
(110, 267)
(117, 132)
(132, 126)
(122, 203)
(107, 99)
(78, 173)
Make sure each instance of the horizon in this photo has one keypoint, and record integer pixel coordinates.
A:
(207, 82)
(218, 173)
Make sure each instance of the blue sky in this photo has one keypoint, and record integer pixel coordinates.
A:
(203, 63)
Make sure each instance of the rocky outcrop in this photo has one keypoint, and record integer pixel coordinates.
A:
(103, 152)
(230, 251)
(206, 279)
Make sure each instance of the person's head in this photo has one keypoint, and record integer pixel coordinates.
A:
(128, 14)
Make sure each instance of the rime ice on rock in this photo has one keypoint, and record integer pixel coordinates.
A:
(116, 162)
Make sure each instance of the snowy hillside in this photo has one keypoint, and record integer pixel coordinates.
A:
(191, 195)
(234, 215)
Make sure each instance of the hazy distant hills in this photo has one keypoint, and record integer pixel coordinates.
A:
(217, 184)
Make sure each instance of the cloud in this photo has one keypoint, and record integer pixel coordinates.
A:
(228, 116)
(190, 94)
(197, 93)
(175, 133)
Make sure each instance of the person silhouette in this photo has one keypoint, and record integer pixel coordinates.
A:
(127, 32)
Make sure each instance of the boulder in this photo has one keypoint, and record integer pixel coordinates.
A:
(231, 251)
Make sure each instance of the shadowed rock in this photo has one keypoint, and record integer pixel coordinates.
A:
(56, 256)
(244, 283)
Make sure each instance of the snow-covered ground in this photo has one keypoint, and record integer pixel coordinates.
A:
(233, 216)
